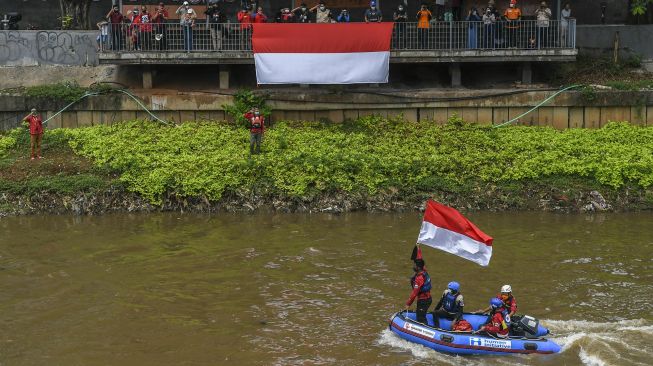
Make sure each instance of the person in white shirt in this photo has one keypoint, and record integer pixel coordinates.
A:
(565, 15)
(543, 16)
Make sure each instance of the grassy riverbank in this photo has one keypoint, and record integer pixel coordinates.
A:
(372, 163)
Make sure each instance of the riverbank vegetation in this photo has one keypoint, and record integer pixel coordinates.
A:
(472, 166)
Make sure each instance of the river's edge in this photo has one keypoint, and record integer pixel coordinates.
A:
(490, 198)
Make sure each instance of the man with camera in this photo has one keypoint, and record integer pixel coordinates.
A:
(543, 15)
(216, 20)
(116, 19)
(159, 19)
(343, 17)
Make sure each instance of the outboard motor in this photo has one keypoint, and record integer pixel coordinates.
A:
(524, 326)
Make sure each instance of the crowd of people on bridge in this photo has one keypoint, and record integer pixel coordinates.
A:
(142, 30)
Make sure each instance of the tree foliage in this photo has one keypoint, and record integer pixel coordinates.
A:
(75, 14)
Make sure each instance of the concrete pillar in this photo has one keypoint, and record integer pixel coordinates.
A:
(147, 77)
(224, 76)
(454, 71)
(526, 73)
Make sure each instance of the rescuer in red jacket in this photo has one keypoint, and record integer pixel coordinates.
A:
(256, 127)
(497, 325)
(421, 284)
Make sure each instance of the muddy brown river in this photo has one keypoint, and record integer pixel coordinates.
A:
(299, 289)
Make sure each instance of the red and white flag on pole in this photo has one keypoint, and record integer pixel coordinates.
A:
(447, 229)
(345, 53)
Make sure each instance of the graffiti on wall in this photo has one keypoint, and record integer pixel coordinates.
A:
(65, 48)
(13, 46)
(48, 47)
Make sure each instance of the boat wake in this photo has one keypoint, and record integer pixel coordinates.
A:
(625, 342)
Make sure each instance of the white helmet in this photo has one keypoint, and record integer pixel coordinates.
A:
(506, 289)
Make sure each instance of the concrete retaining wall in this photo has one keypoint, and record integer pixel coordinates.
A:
(568, 110)
(598, 40)
(34, 48)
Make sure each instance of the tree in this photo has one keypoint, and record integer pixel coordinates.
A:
(75, 14)
(639, 7)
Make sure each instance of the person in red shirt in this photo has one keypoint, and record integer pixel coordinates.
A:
(159, 19)
(256, 128)
(245, 20)
(496, 326)
(35, 133)
(145, 36)
(260, 17)
(116, 19)
(421, 284)
(509, 307)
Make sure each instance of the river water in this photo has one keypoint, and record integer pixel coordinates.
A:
(292, 289)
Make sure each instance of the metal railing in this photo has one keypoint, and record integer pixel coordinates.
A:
(458, 36)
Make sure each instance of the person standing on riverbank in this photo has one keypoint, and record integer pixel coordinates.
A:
(35, 133)
(256, 128)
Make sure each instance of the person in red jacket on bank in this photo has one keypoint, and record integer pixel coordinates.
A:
(35, 133)
(497, 325)
(256, 128)
(421, 284)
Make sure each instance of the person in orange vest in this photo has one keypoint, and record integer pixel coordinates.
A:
(423, 18)
(513, 18)
(256, 127)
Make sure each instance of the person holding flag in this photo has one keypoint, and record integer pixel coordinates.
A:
(421, 284)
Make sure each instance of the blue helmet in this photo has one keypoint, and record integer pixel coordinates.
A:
(453, 286)
(496, 303)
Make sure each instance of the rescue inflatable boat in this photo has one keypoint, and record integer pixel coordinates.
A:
(526, 336)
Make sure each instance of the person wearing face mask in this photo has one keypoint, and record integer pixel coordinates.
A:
(343, 17)
(513, 17)
(322, 14)
(489, 31)
(216, 20)
(373, 15)
(421, 285)
(245, 19)
(474, 19)
(256, 128)
(400, 18)
(302, 14)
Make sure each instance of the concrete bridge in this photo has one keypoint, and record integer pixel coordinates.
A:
(450, 43)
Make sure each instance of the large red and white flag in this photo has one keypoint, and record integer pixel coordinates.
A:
(447, 229)
(344, 53)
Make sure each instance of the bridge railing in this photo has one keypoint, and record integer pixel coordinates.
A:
(438, 36)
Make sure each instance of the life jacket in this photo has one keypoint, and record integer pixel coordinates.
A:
(426, 287)
(462, 325)
(507, 304)
(257, 122)
(449, 302)
(500, 325)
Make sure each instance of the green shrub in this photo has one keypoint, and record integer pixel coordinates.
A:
(364, 156)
